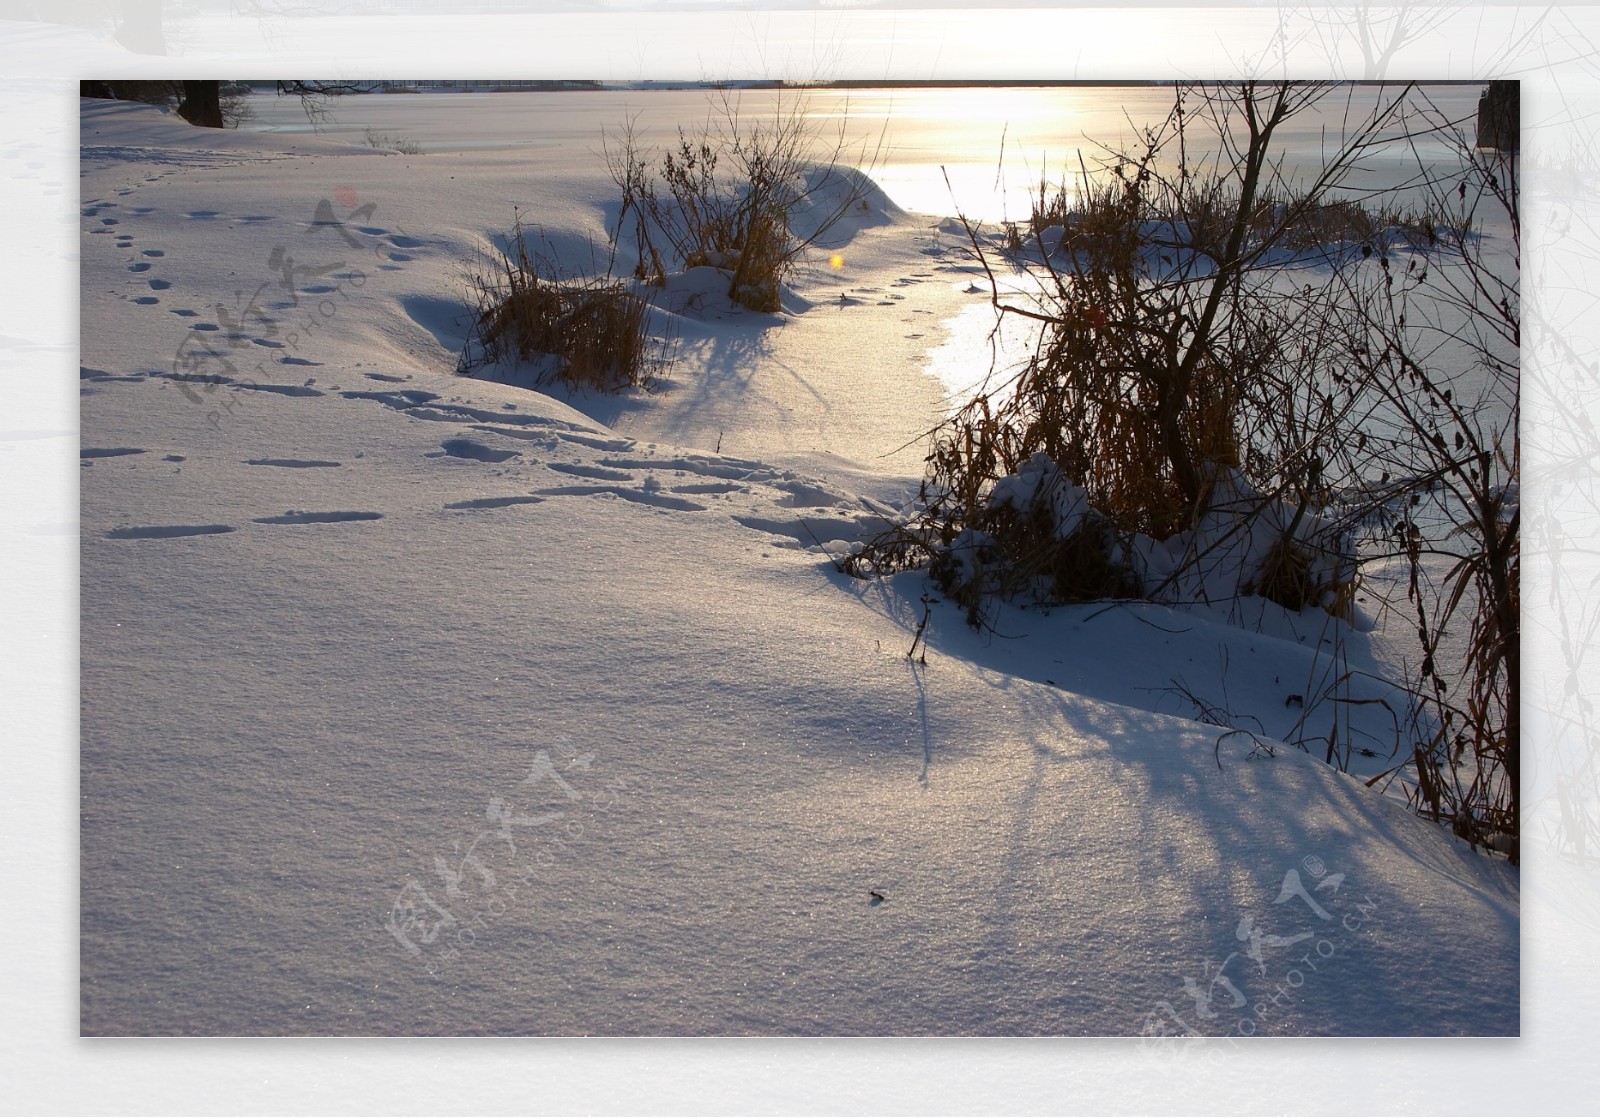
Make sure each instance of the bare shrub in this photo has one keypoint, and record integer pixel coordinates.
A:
(1455, 518)
(400, 144)
(1168, 362)
(730, 195)
(1195, 391)
(594, 331)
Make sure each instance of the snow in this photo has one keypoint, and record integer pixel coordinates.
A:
(418, 704)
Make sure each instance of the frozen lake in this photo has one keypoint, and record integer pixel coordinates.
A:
(993, 143)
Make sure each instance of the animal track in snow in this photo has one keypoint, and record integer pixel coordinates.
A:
(596, 443)
(637, 496)
(599, 473)
(494, 502)
(819, 529)
(108, 452)
(708, 488)
(806, 495)
(292, 463)
(427, 405)
(293, 517)
(168, 531)
(281, 389)
(476, 451)
(402, 400)
(733, 469)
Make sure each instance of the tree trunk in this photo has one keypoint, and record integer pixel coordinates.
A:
(1500, 116)
(202, 104)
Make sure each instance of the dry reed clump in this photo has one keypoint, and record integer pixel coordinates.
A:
(736, 220)
(1285, 577)
(1199, 219)
(748, 197)
(595, 329)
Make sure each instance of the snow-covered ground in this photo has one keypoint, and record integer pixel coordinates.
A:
(414, 704)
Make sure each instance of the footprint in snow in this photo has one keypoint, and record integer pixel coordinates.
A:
(292, 463)
(711, 488)
(600, 473)
(293, 517)
(283, 389)
(476, 451)
(141, 266)
(108, 451)
(494, 502)
(167, 531)
(651, 497)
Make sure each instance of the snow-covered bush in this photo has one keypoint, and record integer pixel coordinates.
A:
(1248, 542)
(1034, 535)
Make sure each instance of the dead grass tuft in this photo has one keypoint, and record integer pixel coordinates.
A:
(596, 330)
